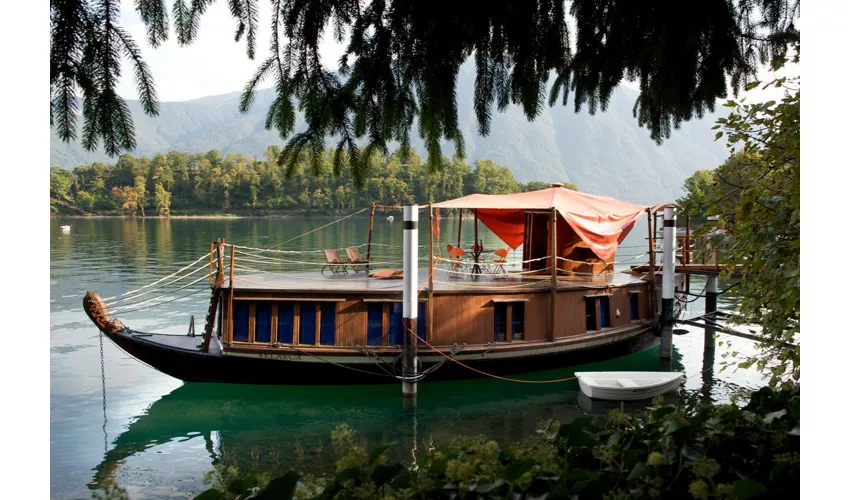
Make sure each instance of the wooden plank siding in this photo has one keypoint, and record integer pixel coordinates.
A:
(457, 317)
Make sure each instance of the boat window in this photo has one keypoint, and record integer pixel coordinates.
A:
(395, 323)
(633, 306)
(327, 331)
(375, 324)
(264, 323)
(517, 320)
(604, 312)
(590, 313)
(307, 333)
(240, 321)
(285, 322)
(500, 321)
(420, 323)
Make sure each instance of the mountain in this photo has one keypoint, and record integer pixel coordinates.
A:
(605, 154)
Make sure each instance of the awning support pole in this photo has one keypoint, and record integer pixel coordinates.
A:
(430, 318)
(553, 287)
(369, 242)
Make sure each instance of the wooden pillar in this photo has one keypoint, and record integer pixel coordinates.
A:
(553, 286)
(687, 255)
(652, 290)
(477, 252)
(459, 224)
(430, 317)
(232, 287)
(369, 241)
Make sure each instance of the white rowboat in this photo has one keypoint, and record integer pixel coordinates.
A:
(65, 229)
(627, 386)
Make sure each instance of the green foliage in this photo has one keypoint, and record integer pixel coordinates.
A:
(209, 183)
(693, 451)
(756, 197)
(61, 181)
(402, 61)
(696, 190)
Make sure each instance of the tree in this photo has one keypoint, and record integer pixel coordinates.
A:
(762, 224)
(128, 199)
(162, 201)
(403, 57)
(696, 188)
(84, 200)
(61, 181)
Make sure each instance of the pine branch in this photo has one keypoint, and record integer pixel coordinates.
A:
(144, 80)
(154, 14)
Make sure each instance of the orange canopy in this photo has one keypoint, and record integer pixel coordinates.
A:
(599, 221)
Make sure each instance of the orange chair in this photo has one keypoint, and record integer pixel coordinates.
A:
(456, 262)
(356, 262)
(500, 258)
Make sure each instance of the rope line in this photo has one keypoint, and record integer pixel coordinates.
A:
(133, 304)
(161, 279)
(124, 299)
(322, 227)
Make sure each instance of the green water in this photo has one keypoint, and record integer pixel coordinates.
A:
(116, 420)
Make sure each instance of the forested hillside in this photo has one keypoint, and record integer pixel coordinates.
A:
(208, 183)
(605, 154)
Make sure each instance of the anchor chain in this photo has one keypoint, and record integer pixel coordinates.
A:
(103, 388)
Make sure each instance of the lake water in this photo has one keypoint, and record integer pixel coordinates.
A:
(114, 420)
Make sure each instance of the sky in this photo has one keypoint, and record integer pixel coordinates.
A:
(215, 64)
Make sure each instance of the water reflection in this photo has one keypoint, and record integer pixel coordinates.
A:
(274, 429)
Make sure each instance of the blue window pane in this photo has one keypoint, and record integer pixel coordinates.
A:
(604, 313)
(285, 322)
(307, 334)
(395, 324)
(264, 323)
(633, 306)
(240, 321)
(517, 320)
(420, 322)
(499, 323)
(375, 326)
(327, 332)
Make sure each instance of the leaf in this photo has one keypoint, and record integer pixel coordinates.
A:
(718, 135)
(377, 453)
(770, 417)
(752, 85)
(211, 494)
(280, 488)
(517, 469)
(384, 473)
(747, 488)
(347, 474)
(637, 471)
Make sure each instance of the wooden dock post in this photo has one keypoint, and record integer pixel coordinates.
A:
(410, 301)
(710, 307)
(667, 283)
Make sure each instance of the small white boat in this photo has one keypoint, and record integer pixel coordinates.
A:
(627, 386)
(390, 218)
(65, 229)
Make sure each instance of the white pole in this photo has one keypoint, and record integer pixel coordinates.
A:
(668, 272)
(410, 297)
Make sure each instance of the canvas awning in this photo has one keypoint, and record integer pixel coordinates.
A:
(599, 221)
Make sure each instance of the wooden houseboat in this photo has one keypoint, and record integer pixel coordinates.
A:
(561, 306)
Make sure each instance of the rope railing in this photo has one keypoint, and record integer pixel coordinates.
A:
(131, 297)
(206, 255)
(132, 304)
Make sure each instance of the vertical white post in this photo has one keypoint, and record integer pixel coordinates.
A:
(668, 283)
(410, 297)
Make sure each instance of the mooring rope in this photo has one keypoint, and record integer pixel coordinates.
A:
(321, 227)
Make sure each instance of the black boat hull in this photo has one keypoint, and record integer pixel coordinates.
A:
(187, 363)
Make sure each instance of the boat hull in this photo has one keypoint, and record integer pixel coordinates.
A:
(182, 359)
(595, 390)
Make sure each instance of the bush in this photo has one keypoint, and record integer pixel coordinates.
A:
(694, 451)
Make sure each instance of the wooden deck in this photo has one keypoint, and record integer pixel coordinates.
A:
(315, 282)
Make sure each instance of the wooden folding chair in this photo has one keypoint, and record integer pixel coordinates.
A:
(333, 262)
(355, 262)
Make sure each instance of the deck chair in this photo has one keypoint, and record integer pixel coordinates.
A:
(333, 262)
(456, 259)
(500, 258)
(355, 262)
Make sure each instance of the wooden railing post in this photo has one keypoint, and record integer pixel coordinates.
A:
(369, 242)
(553, 286)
